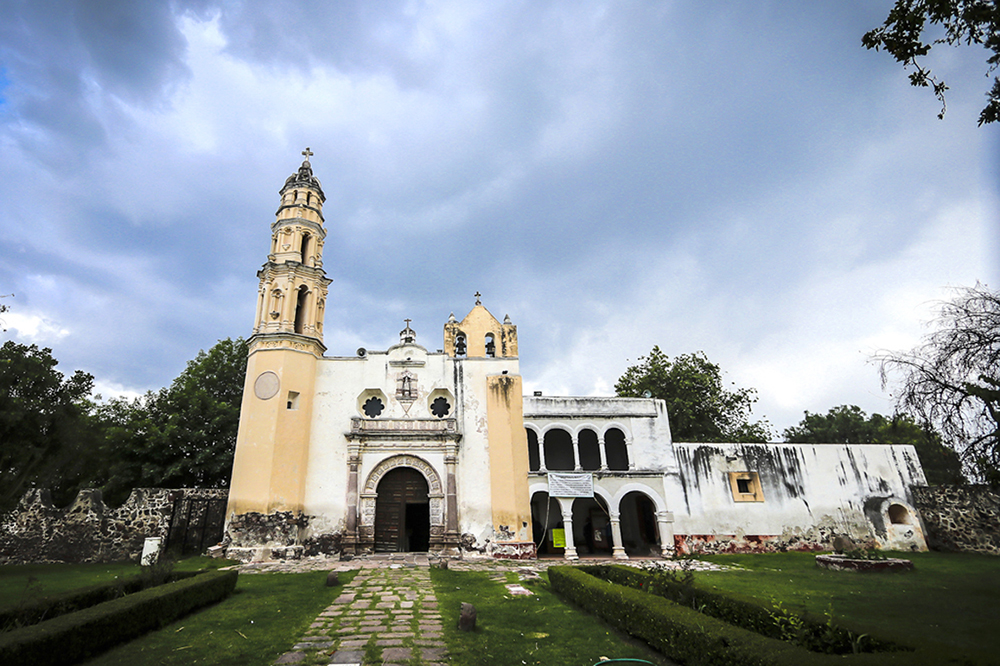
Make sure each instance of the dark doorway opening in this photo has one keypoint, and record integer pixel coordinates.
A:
(418, 527)
(638, 524)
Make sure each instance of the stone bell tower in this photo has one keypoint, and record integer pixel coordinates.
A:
(272, 445)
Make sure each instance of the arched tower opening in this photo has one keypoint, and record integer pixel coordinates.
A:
(300, 309)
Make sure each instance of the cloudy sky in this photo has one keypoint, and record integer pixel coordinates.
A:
(740, 178)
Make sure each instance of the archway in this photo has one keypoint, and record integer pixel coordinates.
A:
(638, 523)
(372, 491)
(558, 445)
(402, 512)
(546, 516)
(592, 527)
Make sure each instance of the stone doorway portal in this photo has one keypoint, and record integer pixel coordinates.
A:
(402, 512)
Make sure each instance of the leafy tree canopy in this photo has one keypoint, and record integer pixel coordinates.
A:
(952, 379)
(959, 22)
(52, 435)
(183, 436)
(699, 406)
(43, 427)
(848, 424)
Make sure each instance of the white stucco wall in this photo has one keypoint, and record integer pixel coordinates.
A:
(340, 382)
(643, 420)
(803, 485)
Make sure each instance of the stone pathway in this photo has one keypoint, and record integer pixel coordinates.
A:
(386, 615)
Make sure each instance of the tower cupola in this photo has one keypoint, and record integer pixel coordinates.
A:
(293, 285)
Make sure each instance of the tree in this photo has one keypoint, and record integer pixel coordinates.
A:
(44, 433)
(963, 21)
(952, 379)
(181, 436)
(699, 407)
(848, 424)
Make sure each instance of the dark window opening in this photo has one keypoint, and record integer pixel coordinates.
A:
(460, 347)
(559, 451)
(300, 309)
(534, 462)
(743, 486)
(373, 407)
(304, 253)
(440, 407)
(491, 348)
(590, 450)
(616, 450)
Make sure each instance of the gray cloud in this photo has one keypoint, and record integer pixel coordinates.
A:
(746, 180)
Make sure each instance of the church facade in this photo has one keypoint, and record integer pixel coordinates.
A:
(414, 450)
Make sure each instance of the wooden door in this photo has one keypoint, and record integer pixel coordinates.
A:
(396, 528)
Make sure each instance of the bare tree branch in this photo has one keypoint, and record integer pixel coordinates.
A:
(952, 379)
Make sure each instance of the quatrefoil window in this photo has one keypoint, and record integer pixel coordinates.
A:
(373, 407)
(440, 408)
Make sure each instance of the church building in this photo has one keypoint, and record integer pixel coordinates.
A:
(407, 449)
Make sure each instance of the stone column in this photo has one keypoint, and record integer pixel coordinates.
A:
(576, 453)
(617, 550)
(353, 461)
(541, 456)
(451, 497)
(665, 521)
(631, 455)
(604, 454)
(566, 504)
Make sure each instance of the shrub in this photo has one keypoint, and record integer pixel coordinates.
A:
(76, 636)
(692, 638)
(774, 621)
(37, 609)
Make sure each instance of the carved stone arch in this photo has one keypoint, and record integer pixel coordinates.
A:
(588, 444)
(658, 501)
(645, 524)
(435, 496)
(588, 425)
(619, 452)
(620, 426)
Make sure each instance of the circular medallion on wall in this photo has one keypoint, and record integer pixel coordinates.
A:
(266, 386)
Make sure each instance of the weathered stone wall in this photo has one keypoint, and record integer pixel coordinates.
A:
(281, 535)
(960, 518)
(87, 530)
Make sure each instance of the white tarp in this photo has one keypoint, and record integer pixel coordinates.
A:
(571, 485)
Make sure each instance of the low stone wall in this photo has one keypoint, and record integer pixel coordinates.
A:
(87, 530)
(960, 518)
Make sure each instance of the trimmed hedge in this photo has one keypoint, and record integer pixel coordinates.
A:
(48, 607)
(817, 634)
(691, 637)
(76, 636)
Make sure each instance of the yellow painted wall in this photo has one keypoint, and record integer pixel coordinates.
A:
(508, 452)
(272, 446)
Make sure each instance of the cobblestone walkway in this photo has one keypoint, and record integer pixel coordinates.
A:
(385, 615)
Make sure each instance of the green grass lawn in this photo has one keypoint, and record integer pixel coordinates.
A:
(266, 615)
(949, 598)
(22, 583)
(540, 629)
